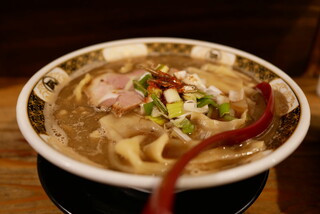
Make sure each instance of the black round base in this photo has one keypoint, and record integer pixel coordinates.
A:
(76, 195)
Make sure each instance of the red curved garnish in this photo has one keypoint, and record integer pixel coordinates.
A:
(161, 200)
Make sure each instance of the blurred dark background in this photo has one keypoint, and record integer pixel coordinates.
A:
(33, 33)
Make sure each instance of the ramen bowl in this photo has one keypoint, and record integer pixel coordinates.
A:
(293, 109)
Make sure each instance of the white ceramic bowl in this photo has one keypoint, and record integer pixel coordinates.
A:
(291, 132)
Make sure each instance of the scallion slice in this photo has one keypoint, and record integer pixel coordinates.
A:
(148, 108)
(138, 86)
(171, 95)
(157, 102)
(228, 117)
(206, 100)
(187, 126)
(189, 96)
(224, 109)
(163, 68)
(159, 120)
(175, 109)
(144, 80)
(184, 124)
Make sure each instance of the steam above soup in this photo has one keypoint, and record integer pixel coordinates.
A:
(140, 115)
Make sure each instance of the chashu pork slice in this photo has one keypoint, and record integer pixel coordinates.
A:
(114, 92)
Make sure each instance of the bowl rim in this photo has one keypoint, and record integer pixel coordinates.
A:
(148, 182)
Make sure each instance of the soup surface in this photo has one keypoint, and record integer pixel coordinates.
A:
(139, 115)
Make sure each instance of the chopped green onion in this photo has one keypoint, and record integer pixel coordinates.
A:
(148, 108)
(138, 86)
(224, 112)
(178, 132)
(177, 122)
(191, 106)
(144, 80)
(184, 124)
(189, 96)
(228, 117)
(156, 112)
(162, 68)
(206, 96)
(159, 120)
(195, 95)
(224, 109)
(206, 100)
(187, 126)
(171, 95)
(200, 94)
(175, 109)
(157, 102)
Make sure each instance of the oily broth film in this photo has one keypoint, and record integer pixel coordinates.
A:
(80, 122)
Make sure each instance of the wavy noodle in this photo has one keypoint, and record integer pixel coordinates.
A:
(135, 153)
(116, 162)
(222, 157)
(219, 76)
(154, 150)
(130, 150)
(207, 127)
(127, 126)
